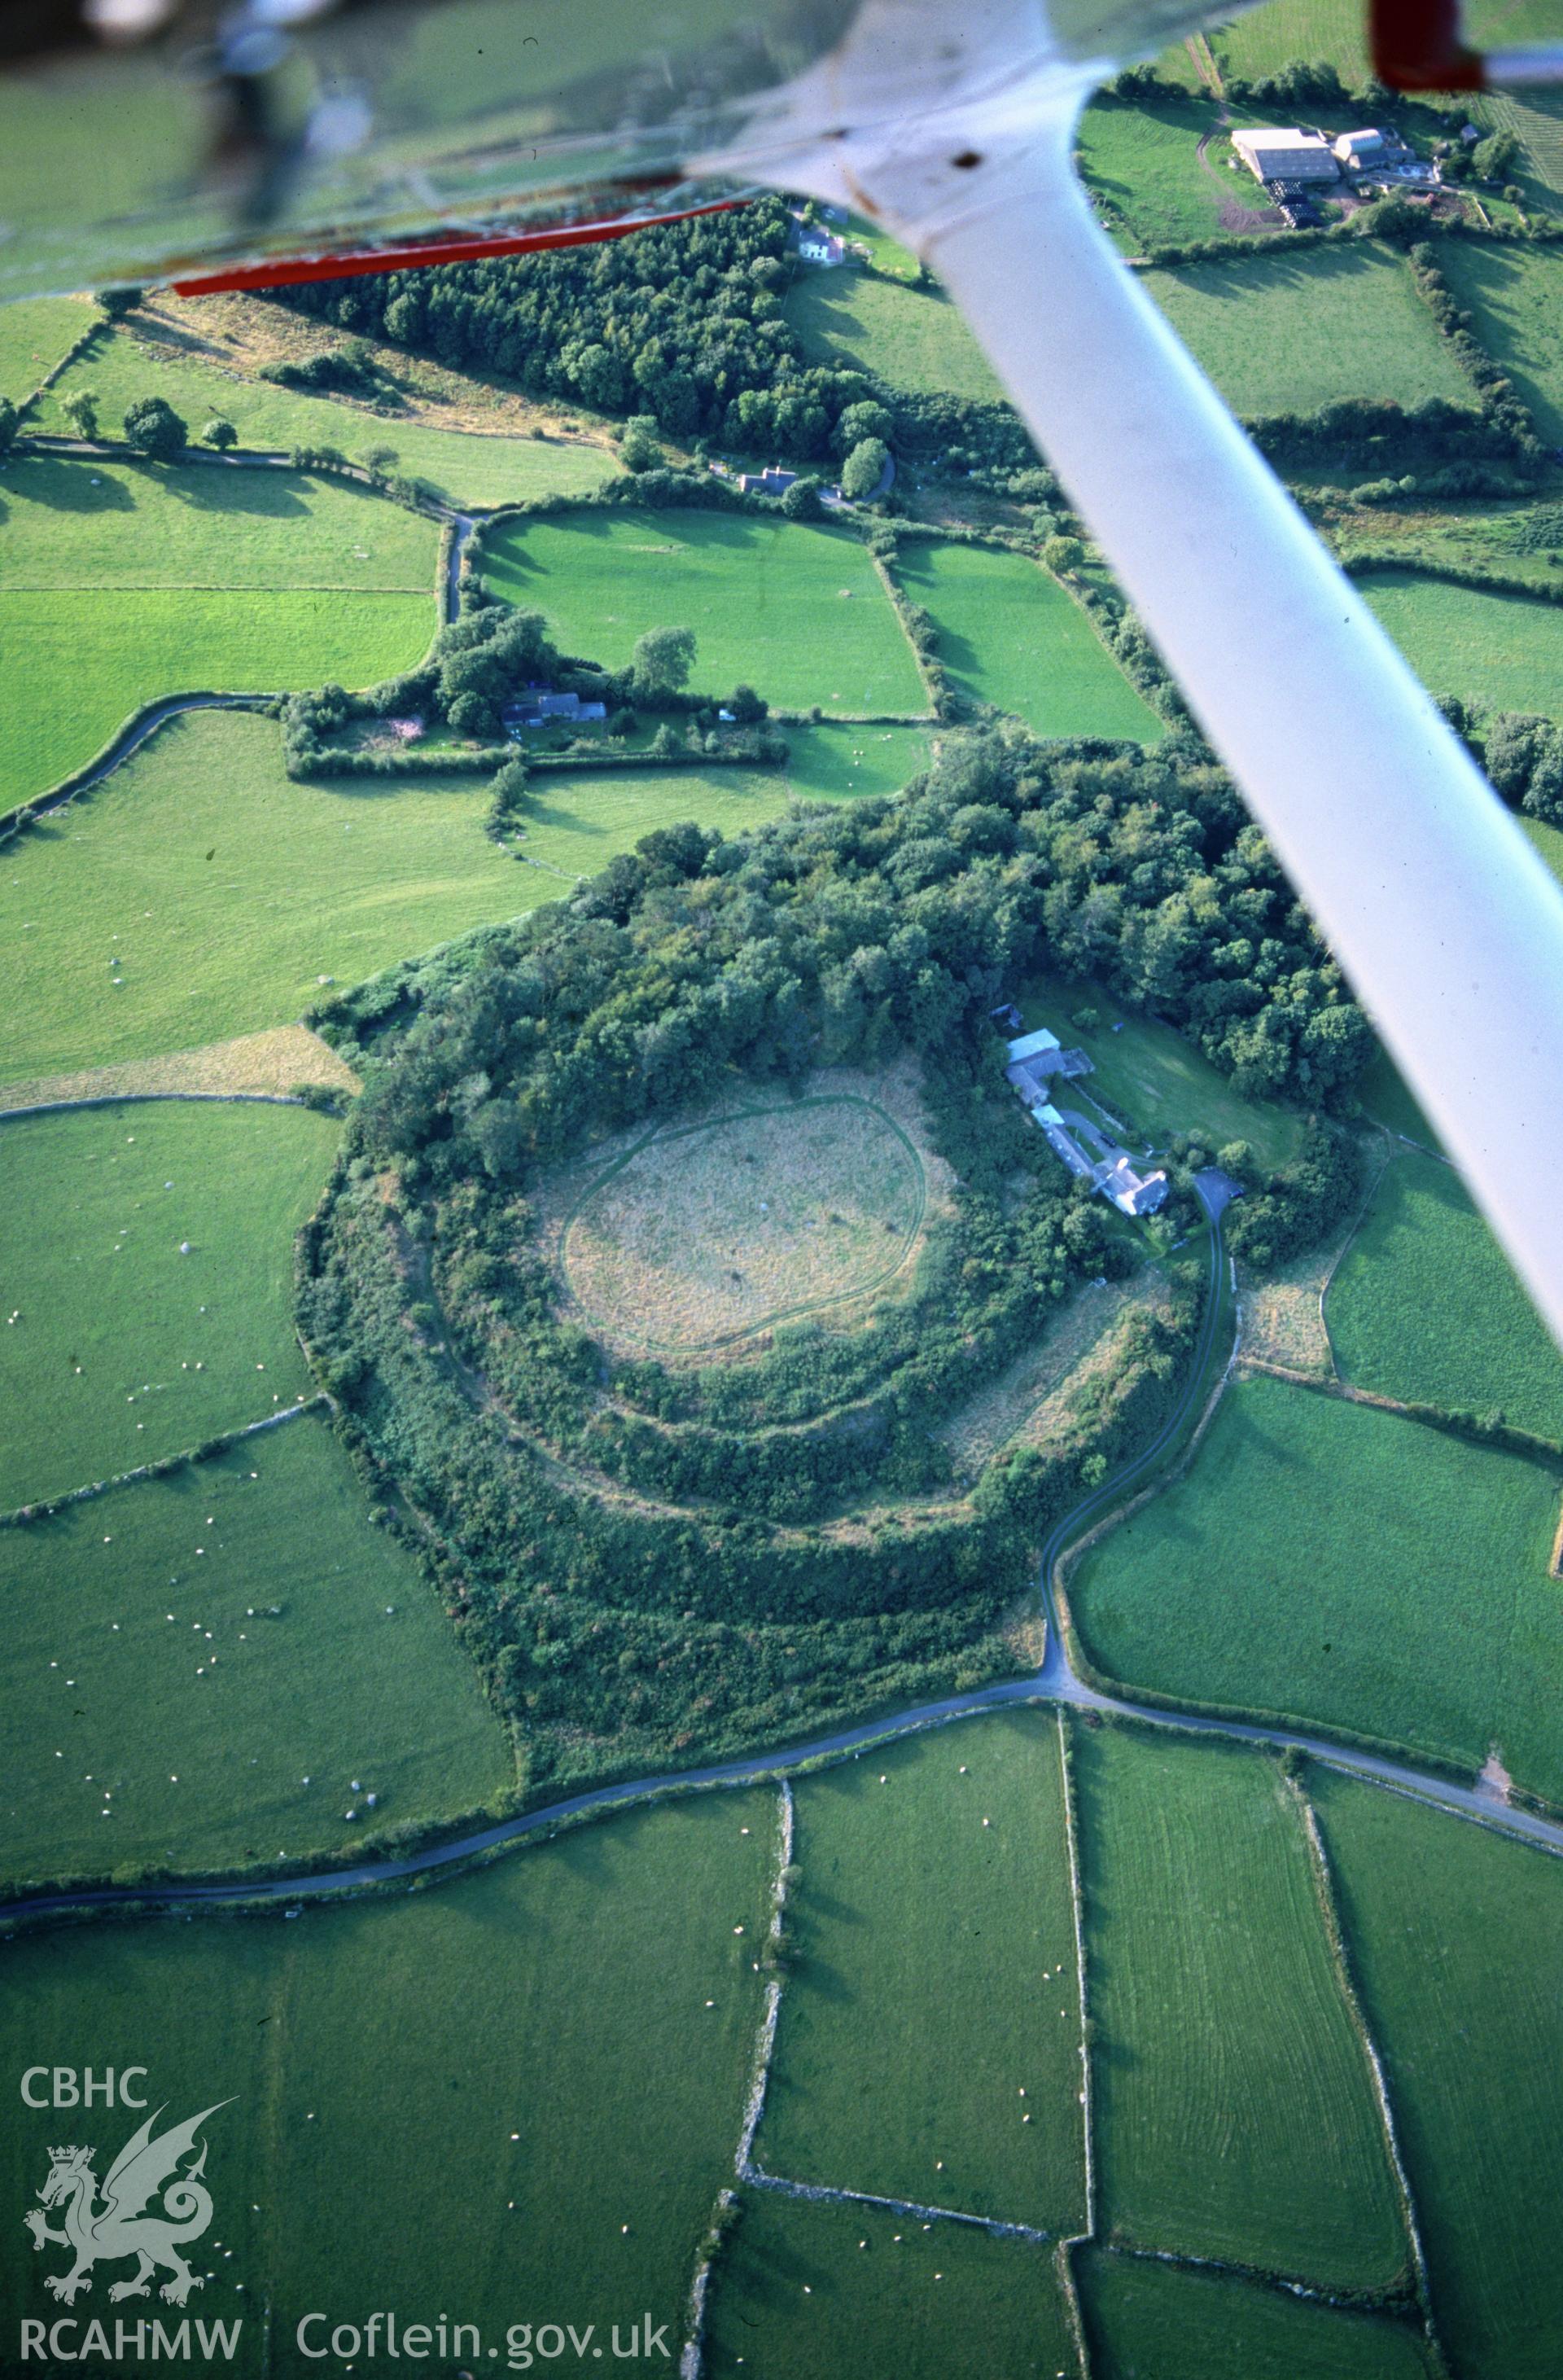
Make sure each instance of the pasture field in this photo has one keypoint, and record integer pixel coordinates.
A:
(1326, 1561)
(709, 1232)
(1505, 649)
(827, 762)
(1266, 39)
(1549, 841)
(525, 2087)
(1516, 295)
(174, 640)
(1457, 1936)
(798, 611)
(234, 1731)
(1149, 2321)
(34, 334)
(70, 522)
(1153, 1081)
(1226, 2065)
(127, 1350)
(1426, 1307)
(305, 881)
(1286, 334)
(1011, 635)
(1389, 1100)
(912, 338)
(463, 467)
(935, 1980)
(276, 1064)
(807, 2292)
(1143, 161)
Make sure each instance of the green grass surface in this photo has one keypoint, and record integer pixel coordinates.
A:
(813, 2292)
(935, 1981)
(1505, 649)
(1457, 1937)
(34, 334)
(101, 1372)
(912, 338)
(799, 612)
(1148, 2320)
(465, 466)
(506, 2101)
(338, 879)
(1011, 635)
(1387, 1098)
(335, 1688)
(65, 522)
(1286, 334)
(1150, 1078)
(1339, 1564)
(1143, 162)
(1226, 2067)
(1265, 40)
(1549, 841)
(1516, 295)
(1425, 1308)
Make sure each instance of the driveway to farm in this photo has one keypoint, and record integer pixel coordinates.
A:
(1056, 1681)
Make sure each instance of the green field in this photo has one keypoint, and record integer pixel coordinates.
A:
(912, 338)
(813, 2292)
(1149, 2321)
(509, 2101)
(1505, 649)
(799, 613)
(1457, 1937)
(1424, 1307)
(34, 334)
(1151, 1079)
(171, 641)
(1549, 841)
(125, 1350)
(68, 524)
(1516, 295)
(1265, 40)
(332, 1687)
(462, 465)
(935, 1981)
(1388, 1098)
(1226, 2066)
(1286, 334)
(1323, 1561)
(1009, 634)
(1143, 162)
(309, 880)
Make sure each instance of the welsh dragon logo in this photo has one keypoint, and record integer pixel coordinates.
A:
(103, 2227)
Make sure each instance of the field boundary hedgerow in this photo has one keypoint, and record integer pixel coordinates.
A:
(22, 1516)
(1064, 2253)
(1330, 1912)
(1527, 1444)
(128, 736)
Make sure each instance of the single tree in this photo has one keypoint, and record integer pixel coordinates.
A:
(221, 434)
(868, 418)
(1063, 555)
(802, 499)
(1236, 1158)
(864, 468)
(640, 449)
(379, 460)
(509, 788)
(153, 425)
(117, 303)
(746, 706)
(662, 660)
(80, 410)
(9, 421)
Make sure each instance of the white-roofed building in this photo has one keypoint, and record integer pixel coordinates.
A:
(1356, 150)
(1284, 153)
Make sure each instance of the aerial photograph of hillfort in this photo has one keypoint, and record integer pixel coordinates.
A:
(781, 1559)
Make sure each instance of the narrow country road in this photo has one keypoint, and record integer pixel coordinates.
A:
(1055, 1682)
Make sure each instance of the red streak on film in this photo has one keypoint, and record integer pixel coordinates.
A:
(284, 273)
(1418, 45)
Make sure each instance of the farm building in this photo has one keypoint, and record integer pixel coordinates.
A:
(1356, 150)
(1286, 153)
(818, 246)
(1036, 1061)
(1132, 1193)
(1035, 1058)
(539, 704)
(772, 481)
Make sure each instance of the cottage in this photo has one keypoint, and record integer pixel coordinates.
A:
(818, 246)
(538, 705)
(1132, 1193)
(772, 481)
(1286, 153)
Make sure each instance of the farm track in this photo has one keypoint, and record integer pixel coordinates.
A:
(1056, 1681)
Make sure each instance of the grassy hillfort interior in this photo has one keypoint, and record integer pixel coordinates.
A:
(659, 1109)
